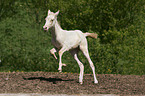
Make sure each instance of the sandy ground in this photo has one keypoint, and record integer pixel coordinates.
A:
(64, 84)
(35, 94)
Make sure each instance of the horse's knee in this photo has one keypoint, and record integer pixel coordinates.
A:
(92, 65)
(52, 51)
(81, 66)
(60, 52)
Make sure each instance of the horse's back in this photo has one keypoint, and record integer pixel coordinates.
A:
(73, 38)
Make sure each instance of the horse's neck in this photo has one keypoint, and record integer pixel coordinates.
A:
(57, 30)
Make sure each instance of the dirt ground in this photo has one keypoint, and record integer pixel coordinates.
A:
(67, 83)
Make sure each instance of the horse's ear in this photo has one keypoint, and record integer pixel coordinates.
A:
(57, 13)
(49, 12)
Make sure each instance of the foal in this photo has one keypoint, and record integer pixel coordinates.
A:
(69, 41)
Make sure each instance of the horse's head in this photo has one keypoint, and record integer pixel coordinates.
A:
(50, 20)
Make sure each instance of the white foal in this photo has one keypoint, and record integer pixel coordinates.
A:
(69, 41)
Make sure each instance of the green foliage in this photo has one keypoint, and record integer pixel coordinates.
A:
(7, 8)
(24, 46)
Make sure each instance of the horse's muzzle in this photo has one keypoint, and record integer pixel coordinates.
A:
(45, 28)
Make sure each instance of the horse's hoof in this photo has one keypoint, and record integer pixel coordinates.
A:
(63, 64)
(96, 82)
(60, 71)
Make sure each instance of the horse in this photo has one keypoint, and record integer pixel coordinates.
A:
(72, 41)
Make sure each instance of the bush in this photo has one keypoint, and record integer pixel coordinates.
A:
(24, 46)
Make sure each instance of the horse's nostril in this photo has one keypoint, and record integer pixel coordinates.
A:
(45, 28)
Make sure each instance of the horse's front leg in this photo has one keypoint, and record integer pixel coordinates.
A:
(52, 51)
(62, 50)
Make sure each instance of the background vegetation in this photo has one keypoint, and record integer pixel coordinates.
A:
(120, 48)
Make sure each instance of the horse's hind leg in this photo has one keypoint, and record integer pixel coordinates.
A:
(84, 49)
(74, 54)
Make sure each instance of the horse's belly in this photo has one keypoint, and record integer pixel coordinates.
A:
(70, 44)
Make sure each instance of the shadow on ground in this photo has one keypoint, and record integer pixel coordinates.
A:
(54, 80)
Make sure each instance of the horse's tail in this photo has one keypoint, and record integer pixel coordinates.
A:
(93, 35)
